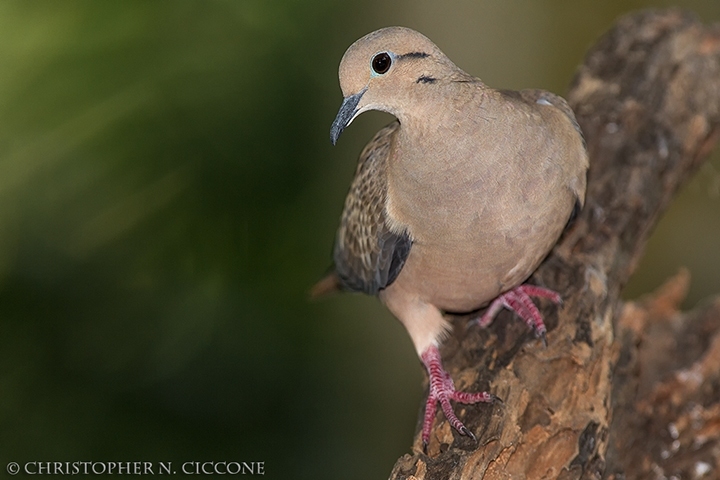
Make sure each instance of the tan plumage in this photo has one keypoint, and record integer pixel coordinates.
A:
(458, 203)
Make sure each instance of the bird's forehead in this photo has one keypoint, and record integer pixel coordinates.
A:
(400, 41)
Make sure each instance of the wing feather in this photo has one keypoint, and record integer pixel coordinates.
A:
(368, 255)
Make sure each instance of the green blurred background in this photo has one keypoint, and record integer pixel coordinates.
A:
(168, 194)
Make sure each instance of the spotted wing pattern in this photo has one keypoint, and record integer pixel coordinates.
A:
(368, 255)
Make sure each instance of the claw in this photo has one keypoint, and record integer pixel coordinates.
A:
(464, 430)
(442, 391)
(518, 300)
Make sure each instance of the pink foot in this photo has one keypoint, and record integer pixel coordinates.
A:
(518, 300)
(442, 390)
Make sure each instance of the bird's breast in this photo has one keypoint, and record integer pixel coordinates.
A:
(476, 231)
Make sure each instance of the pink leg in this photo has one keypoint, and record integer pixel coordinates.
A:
(518, 300)
(442, 390)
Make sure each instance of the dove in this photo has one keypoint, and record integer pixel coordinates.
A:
(455, 203)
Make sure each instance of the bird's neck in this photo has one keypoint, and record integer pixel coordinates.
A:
(447, 152)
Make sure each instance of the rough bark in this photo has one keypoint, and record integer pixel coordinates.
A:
(666, 388)
(599, 400)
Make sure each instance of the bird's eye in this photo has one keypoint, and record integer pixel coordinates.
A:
(381, 63)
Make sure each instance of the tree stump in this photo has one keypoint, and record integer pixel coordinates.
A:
(623, 390)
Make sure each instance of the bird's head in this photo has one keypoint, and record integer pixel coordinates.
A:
(385, 68)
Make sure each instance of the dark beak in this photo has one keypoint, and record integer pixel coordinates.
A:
(348, 109)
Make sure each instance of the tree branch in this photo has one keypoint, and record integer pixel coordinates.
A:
(648, 100)
(666, 388)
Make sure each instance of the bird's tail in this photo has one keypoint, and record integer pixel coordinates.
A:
(330, 283)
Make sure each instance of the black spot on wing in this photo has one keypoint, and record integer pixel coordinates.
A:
(574, 214)
(394, 250)
(400, 253)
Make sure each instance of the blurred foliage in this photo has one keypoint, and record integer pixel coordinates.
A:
(167, 196)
